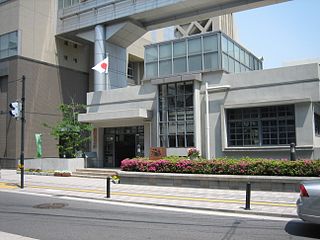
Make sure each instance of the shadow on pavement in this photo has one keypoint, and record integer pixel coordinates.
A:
(303, 229)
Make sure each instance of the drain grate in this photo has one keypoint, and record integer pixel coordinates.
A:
(51, 205)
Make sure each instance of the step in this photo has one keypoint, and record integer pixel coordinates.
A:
(94, 173)
(87, 176)
(97, 170)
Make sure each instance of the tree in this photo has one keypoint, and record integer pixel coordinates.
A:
(71, 134)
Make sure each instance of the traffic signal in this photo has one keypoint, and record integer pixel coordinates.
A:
(15, 109)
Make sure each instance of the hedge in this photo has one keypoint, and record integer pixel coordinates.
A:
(243, 166)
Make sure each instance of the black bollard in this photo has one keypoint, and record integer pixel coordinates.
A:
(108, 187)
(248, 196)
(293, 155)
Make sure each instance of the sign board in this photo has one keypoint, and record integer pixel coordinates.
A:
(157, 153)
(38, 137)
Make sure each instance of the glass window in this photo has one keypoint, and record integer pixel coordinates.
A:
(151, 54)
(194, 46)
(251, 63)
(180, 65)
(231, 65)
(60, 4)
(13, 43)
(246, 59)
(210, 43)
(152, 70)
(181, 140)
(179, 49)
(165, 51)
(177, 129)
(211, 61)
(274, 125)
(4, 46)
(195, 63)
(165, 67)
(242, 68)
(236, 52)
(230, 48)
(317, 124)
(188, 87)
(4, 42)
(67, 3)
(242, 56)
(224, 43)
(225, 62)
(237, 67)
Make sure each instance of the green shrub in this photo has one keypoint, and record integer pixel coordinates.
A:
(242, 166)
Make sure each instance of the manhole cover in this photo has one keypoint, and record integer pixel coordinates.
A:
(50, 205)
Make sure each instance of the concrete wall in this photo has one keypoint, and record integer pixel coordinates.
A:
(133, 97)
(55, 164)
(47, 86)
(298, 85)
(9, 16)
(37, 25)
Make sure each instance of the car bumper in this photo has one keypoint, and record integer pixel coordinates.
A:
(304, 216)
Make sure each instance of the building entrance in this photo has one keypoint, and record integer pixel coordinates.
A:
(121, 143)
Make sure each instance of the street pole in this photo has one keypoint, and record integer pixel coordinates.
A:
(22, 131)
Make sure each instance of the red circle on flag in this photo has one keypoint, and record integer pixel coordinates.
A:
(104, 66)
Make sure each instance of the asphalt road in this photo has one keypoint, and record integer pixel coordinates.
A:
(49, 218)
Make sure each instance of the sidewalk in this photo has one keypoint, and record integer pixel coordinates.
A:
(262, 203)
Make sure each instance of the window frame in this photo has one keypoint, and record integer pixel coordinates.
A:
(174, 118)
(252, 127)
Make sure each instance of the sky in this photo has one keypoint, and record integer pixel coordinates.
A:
(281, 33)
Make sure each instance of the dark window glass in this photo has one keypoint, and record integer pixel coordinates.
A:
(272, 125)
(176, 114)
(317, 124)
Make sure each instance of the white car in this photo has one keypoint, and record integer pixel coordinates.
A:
(308, 204)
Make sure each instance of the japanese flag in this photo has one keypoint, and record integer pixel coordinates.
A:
(103, 66)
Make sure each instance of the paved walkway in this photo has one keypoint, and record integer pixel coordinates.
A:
(262, 203)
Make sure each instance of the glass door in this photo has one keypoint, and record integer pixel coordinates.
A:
(109, 149)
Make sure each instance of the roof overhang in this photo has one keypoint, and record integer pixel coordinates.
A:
(116, 117)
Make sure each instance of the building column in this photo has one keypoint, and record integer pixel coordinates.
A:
(197, 115)
(99, 55)
(147, 137)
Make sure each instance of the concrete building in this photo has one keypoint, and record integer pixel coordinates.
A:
(55, 44)
(209, 92)
(57, 69)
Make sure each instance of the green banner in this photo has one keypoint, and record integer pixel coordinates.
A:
(39, 144)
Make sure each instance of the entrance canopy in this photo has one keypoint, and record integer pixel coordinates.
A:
(123, 117)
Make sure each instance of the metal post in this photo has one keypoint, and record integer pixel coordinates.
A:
(248, 196)
(108, 187)
(293, 155)
(22, 131)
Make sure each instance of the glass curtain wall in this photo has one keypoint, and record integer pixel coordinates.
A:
(209, 51)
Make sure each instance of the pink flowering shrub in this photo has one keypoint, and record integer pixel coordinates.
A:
(244, 166)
